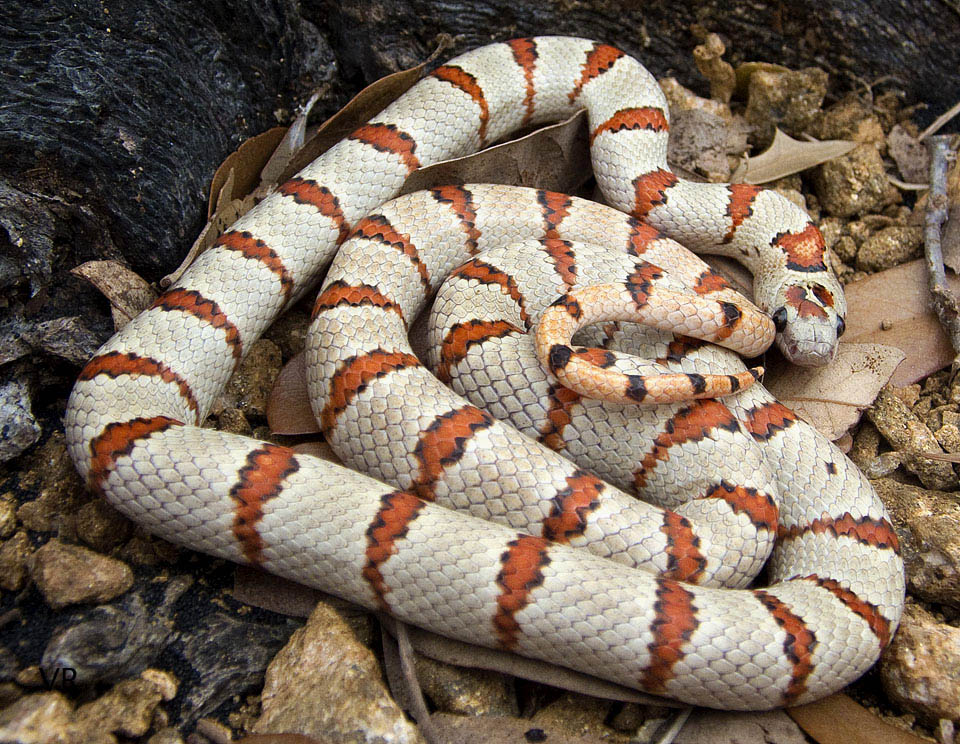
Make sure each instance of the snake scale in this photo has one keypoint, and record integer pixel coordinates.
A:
(520, 535)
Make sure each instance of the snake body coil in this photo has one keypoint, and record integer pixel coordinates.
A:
(487, 534)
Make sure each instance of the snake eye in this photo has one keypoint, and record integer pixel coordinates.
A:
(780, 319)
(841, 326)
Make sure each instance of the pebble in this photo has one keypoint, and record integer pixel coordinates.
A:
(325, 683)
(909, 435)
(928, 524)
(789, 100)
(854, 184)
(889, 247)
(920, 670)
(69, 574)
(14, 555)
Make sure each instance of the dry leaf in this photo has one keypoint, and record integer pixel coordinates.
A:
(245, 164)
(787, 156)
(899, 299)
(832, 398)
(129, 294)
(555, 158)
(318, 449)
(288, 410)
(910, 155)
(366, 104)
(839, 719)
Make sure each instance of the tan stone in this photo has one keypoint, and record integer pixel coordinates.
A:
(70, 574)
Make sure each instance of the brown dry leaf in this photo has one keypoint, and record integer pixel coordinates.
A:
(787, 156)
(832, 398)
(367, 103)
(899, 299)
(319, 449)
(288, 410)
(839, 719)
(556, 158)
(129, 294)
(910, 155)
(244, 166)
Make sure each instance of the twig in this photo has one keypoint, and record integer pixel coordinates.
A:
(944, 302)
(939, 122)
(412, 694)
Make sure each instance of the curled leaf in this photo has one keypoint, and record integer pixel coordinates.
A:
(787, 156)
(556, 158)
(129, 294)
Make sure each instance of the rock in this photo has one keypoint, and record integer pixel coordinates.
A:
(909, 436)
(719, 727)
(101, 526)
(233, 421)
(889, 247)
(324, 683)
(45, 718)
(250, 387)
(854, 184)
(14, 556)
(166, 736)
(470, 692)
(229, 655)
(700, 142)
(788, 100)
(69, 574)
(928, 523)
(680, 99)
(18, 428)
(8, 515)
(920, 670)
(578, 715)
(113, 642)
(50, 473)
(127, 709)
(850, 119)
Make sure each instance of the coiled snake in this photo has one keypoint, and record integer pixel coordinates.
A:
(486, 532)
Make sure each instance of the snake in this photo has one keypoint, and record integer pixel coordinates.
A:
(502, 508)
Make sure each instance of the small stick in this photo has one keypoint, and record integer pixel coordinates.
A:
(945, 304)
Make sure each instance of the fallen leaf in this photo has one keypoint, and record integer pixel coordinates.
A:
(910, 155)
(555, 158)
(832, 398)
(366, 104)
(129, 294)
(787, 156)
(899, 299)
(288, 410)
(839, 719)
(244, 166)
(318, 449)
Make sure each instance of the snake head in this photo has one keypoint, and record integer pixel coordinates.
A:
(809, 317)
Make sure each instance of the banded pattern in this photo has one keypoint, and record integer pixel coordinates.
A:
(483, 533)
